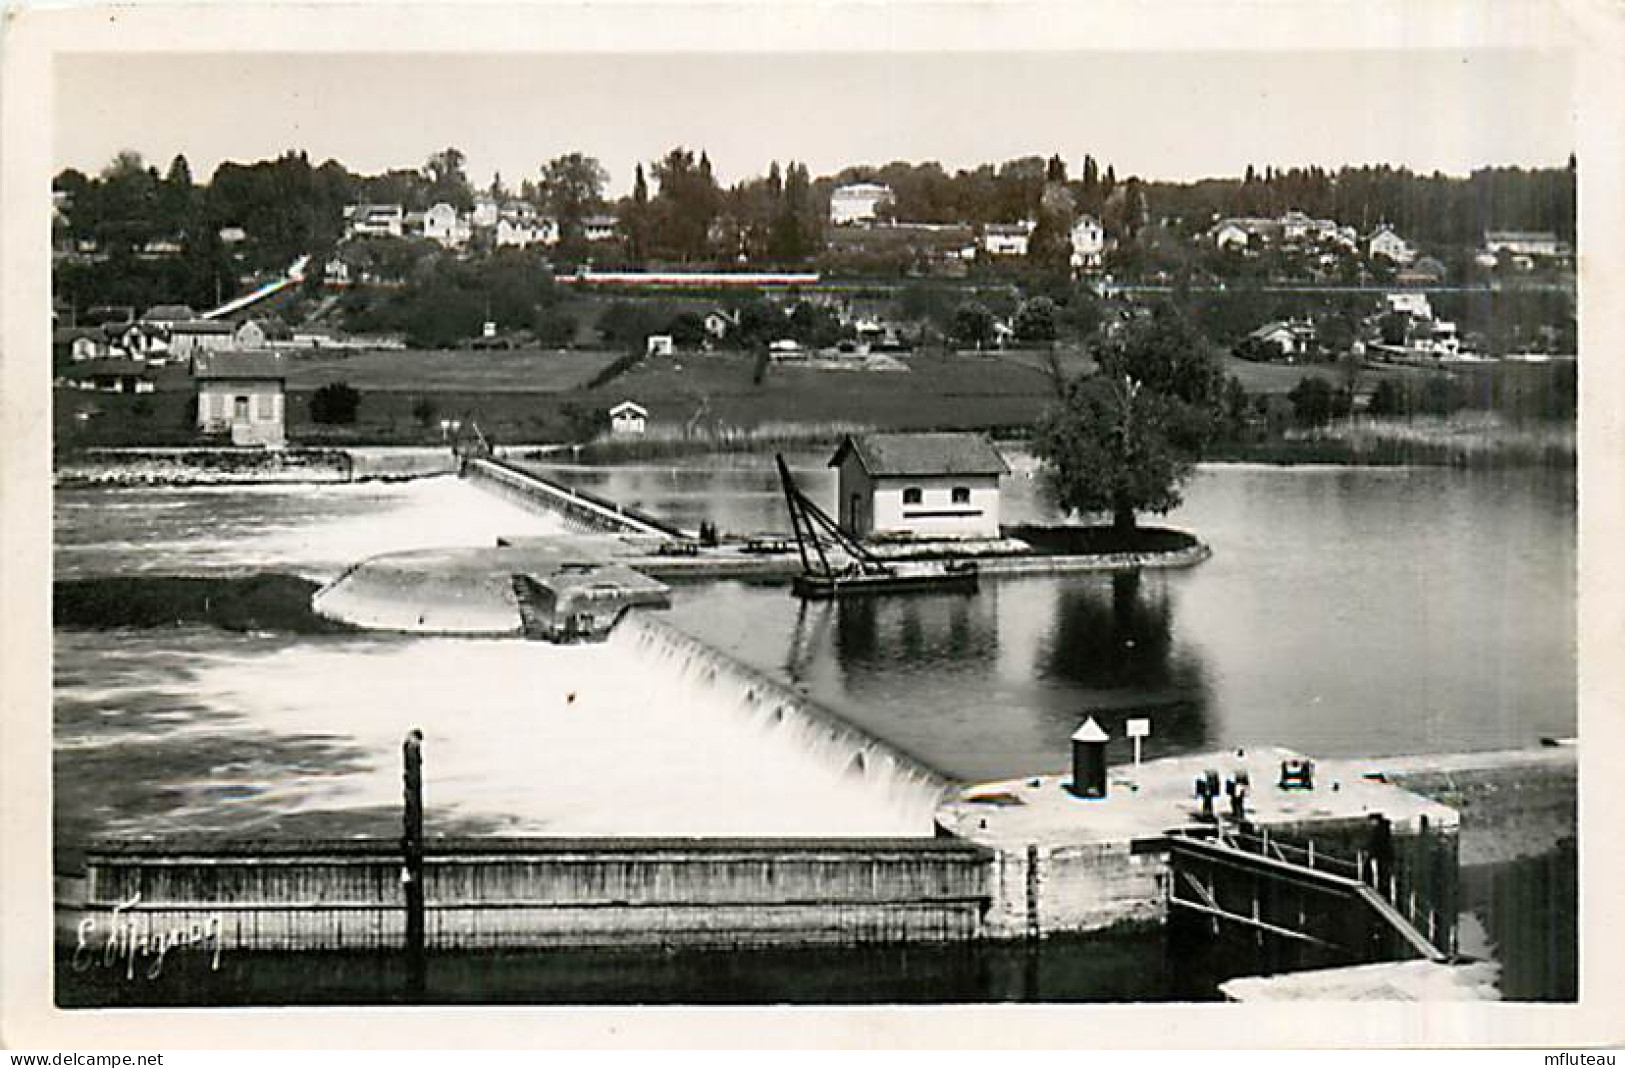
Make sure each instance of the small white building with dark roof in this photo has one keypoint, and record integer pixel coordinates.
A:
(628, 417)
(243, 394)
(923, 485)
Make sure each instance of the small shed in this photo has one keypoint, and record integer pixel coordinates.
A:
(660, 345)
(243, 394)
(628, 417)
(920, 485)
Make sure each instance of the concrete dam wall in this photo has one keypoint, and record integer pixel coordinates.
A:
(870, 769)
(581, 512)
(544, 893)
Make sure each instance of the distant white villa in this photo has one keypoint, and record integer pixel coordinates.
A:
(857, 203)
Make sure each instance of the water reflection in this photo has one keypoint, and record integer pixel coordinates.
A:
(884, 630)
(983, 686)
(1113, 640)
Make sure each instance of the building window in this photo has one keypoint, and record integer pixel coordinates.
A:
(912, 495)
(239, 413)
(961, 494)
(266, 404)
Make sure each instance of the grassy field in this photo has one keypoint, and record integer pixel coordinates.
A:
(534, 396)
(936, 392)
(456, 370)
(1074, 362)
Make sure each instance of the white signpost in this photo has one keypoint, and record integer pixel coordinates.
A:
(1138, 729)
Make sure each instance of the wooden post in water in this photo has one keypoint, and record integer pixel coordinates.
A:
(412, 852)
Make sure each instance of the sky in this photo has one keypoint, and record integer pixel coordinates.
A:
(1162, 115)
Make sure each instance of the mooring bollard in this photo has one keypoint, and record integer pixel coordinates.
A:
(412, 853)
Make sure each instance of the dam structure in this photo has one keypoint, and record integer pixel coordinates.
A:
(1342, 870)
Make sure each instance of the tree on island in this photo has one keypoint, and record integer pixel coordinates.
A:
(1126, 439)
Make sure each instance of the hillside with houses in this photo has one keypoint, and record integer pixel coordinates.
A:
(716, 309)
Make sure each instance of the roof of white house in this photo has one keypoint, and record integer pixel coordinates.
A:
(1519, 235)
(1271, 329)
(202, 326)
(861, 189)
(922, 454)
(262, 365)
(115, 365)
(169, 313)
(1090, 731)
(629, 407)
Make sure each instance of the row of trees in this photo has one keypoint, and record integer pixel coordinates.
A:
(1433, 209)
(290, 207)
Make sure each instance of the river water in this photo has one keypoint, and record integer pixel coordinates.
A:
(1345, 611)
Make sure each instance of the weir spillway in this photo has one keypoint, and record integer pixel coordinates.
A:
(885, 848)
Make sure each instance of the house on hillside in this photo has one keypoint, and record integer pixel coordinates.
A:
(375, 220)
(1290, 338)
(720, 322)
(1416, 305)
(136, 341)
(1230, 234)
(201, 335)
(1088, 242)
(858, 202)
(167, 315)
(786, 348)
(628, 418)
(250, 335)
(112, 375)
(1006, 239)
(1387, 243)
(79, 343)
(517, 231)
(923, 485)
(444, 224)
(1523, 243)
(1426, 271)
(598, 227)
(1242, 232)
(1437, 337)
(243, 394)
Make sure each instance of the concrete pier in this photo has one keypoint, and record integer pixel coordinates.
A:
(1067, 864)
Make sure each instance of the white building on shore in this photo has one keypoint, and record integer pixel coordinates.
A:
(924, 485)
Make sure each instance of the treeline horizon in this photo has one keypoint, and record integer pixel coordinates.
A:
(679, 212)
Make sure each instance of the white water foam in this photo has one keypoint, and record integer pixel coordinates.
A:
(539, 739)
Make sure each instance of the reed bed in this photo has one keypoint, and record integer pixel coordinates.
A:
(662, 441)
(1466, 439)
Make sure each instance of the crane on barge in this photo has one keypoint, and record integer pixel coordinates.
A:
(819, 538)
